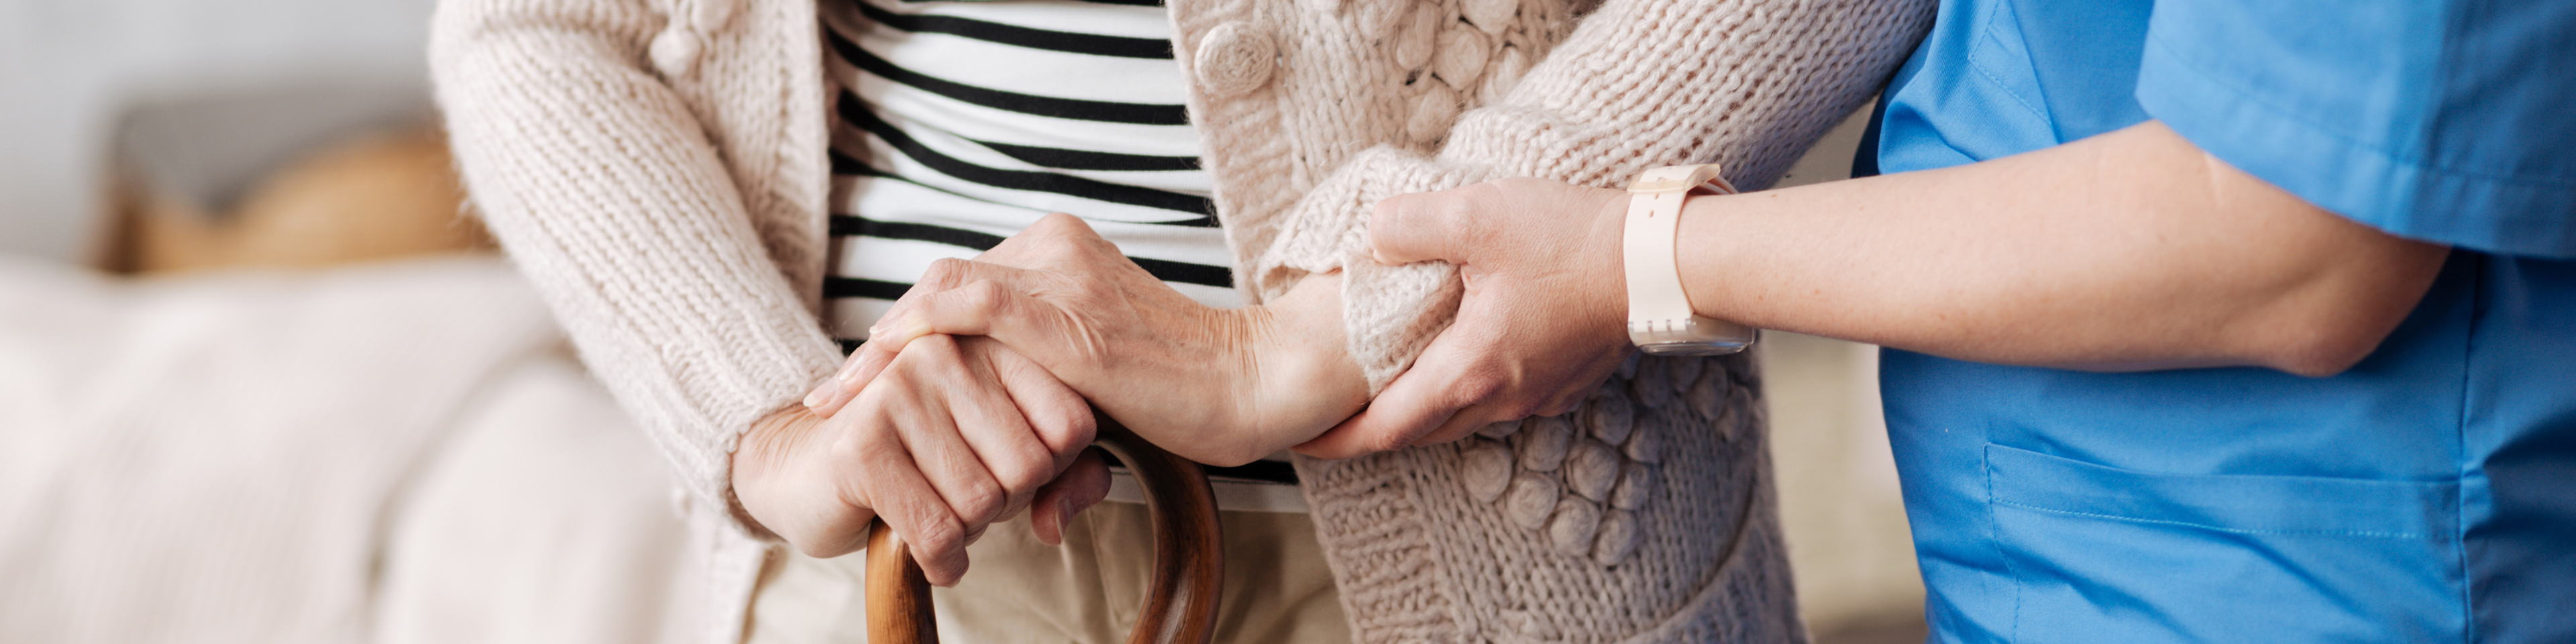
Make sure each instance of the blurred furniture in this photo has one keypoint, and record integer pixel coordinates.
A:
(318, 413)
(299, 176)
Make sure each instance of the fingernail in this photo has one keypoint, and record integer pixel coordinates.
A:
(814, 399)
(912, 326)
(1049, 524)
(1063, 515)
(886, 321)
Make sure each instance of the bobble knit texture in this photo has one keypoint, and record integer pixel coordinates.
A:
(657, 168)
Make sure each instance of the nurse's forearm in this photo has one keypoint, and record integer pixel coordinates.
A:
(2129, 250)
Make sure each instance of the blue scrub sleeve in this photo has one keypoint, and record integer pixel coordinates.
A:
(2450, 122)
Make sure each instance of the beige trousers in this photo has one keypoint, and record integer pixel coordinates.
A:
(1087, 591)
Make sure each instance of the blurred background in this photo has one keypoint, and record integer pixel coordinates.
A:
(263, 379)
(72, 69)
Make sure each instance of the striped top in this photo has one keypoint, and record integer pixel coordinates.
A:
(956, 124)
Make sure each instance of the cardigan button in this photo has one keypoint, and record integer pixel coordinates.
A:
(1433, 112)
(1573, 526)
(1740, 411)
(1618, 536)
(1707, 395)
(1414, 45)
(675, 51)
(1490, 15)
(1529, 499)
(1486, 467)
(1543, 442)
(1462, 55)
(1612, 415)
(1646, 445)
(1592, 470)
(1233, 58)
(1636, 483)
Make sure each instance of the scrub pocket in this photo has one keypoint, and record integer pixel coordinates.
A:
(2105, 554)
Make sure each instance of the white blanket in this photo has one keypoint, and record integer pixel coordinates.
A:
(390, 453)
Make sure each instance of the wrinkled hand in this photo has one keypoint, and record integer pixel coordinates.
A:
(1543, 321)
(948, 437)
(1212, 385)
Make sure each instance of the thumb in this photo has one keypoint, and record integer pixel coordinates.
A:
(862, 367)
(1404, 229)
(1077, 489)
(1420, 401)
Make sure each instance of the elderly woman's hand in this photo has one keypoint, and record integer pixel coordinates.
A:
(1220, 386)
(948, 437)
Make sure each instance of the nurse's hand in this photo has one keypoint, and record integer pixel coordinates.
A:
(1542, 324)
(947, 438)
(1218, 386)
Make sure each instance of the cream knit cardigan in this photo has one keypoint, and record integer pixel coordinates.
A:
(657, 168)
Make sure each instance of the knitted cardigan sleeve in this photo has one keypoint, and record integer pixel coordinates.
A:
(1750, 84)
(611, 195)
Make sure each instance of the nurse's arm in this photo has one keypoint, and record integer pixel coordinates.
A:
(2126, 251)
(2130, 250)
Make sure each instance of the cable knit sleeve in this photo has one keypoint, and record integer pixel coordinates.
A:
(1750, 84)
(616, 201)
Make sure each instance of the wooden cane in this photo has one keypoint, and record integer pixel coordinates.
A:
(1189, 561)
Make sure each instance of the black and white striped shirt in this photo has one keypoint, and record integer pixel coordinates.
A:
(956, 124)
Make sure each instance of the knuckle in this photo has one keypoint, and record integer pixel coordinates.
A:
(1026, 475)
(1054, 224)
(1477, 387)
(1461, 205)
(983, 296)
(849, 448)
(943, 272)
(981, 501)
(937, 535)
(1388, 442)
(1070, 428)
(870, 451)
(1454, 213)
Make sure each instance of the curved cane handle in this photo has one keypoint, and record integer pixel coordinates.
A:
(1189, 561)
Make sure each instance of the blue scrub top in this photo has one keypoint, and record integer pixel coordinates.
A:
(2428, 494)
